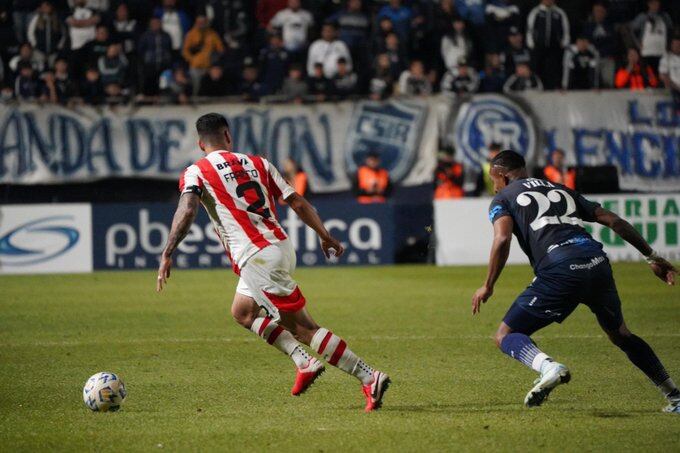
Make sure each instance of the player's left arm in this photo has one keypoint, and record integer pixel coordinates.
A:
(500, 250)
(661, 267)
(184, 217)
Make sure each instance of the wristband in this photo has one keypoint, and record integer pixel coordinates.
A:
(652, 257)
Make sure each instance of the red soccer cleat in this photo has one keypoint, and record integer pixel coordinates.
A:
(306, 376)
(376, 390)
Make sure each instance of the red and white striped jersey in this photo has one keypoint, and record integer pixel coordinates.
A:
(239, 193)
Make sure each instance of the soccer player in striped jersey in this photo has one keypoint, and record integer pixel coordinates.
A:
(238, 192)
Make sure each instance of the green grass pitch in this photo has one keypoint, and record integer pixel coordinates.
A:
(198, 382)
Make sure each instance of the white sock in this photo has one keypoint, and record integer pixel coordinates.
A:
(541, 360)
(334, 350)
(669, 390)
(281, 339)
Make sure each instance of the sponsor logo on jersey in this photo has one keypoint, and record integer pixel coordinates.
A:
(390, 129)
(38, 241)
(491, 119)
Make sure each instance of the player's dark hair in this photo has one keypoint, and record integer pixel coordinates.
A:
(210, 126)
(508, 159)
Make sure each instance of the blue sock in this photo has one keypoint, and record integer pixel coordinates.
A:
(643, 357)
(521, 348)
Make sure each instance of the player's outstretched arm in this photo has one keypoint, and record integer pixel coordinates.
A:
(661, 268)
(500, 250)
(184, 217)
(308, 214)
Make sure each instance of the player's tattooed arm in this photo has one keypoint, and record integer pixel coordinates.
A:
(661, 268)
(500, 250)
(181, 223)
(308, 214)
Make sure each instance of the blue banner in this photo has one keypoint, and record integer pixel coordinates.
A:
(132, 236)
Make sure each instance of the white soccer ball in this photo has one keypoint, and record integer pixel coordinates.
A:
(104, 392)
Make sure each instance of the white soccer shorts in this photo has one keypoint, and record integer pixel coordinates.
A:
(267, 278)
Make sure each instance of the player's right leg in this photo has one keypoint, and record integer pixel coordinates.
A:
(248, 313)
(513, 337)
(335, 351)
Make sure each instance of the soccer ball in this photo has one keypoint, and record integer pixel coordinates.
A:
(104, 392)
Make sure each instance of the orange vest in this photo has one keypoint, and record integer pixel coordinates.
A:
(446, 188)
(300, 183)
(375, 181)
(553, 174)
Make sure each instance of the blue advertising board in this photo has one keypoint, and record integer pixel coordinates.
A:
(132, 236)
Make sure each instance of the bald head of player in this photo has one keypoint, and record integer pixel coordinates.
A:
(213, 133)
(506, 167)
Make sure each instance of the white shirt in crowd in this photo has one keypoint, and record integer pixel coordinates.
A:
(327, 53)
(294, 27)
(172, 25)
(652, 30)
(81, 35)
(670, 64)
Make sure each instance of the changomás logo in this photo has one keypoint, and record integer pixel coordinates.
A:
(493, 119)
(37, 241)
(390, 129)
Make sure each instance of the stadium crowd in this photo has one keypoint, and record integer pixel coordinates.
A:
(116, 51)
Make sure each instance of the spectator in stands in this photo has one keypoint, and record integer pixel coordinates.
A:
(492, 78)
(486, 181)
(294, 87)
(327, 51)
(22, 10)
(113, 66)
(64, 86)
(295, 176)
(202, 47)
(473, 11)
(294, 24)
(547, 37)
(82, 23)
(27, 86)
(456, 44)
(91, 89)
(462, 80)
(501, 16)
(379, 38)
(175, 22)
(400, 16)
(274, 62)
(516, 52)
(523, 80)
(581, 64)
(353, 26)
(318, 85)
(448, 178)
(669, 70)
(251, 89)
(382, 82)
(176, 86)
(97, 47)
(557, 171)
(214, 83)
(155, 53)
(26, 56)
(46, 33)
(371, 182)
(125, 30)
(345, 81)
(414, 81)
(601, 33)
(636, 75)
(395, 53)
(652, 30)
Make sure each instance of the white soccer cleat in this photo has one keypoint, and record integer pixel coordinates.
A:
(673, 407)
(554, 375)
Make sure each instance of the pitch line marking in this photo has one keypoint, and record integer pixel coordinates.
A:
(349, 338)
